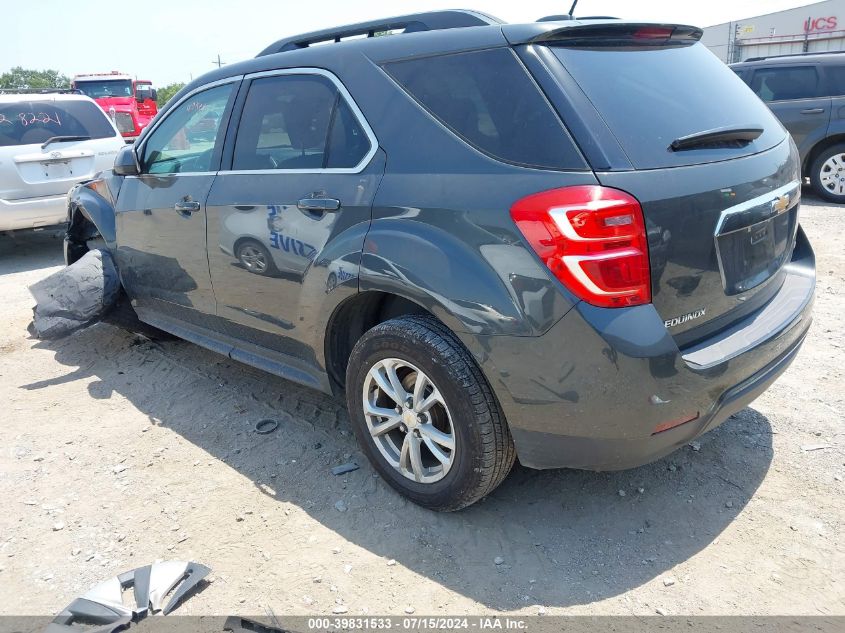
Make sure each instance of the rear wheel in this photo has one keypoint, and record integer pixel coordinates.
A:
(425, 415)
(827, 174)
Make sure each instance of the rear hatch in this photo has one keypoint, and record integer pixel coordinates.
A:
(45, 145)
(715, 172)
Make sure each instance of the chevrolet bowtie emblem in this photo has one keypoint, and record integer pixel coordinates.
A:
(780, 204)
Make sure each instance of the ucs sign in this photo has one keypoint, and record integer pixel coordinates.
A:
(814, 25)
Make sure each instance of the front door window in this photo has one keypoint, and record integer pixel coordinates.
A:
(186, 140)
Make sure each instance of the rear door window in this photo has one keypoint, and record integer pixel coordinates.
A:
(651, 95)
(786, 83)
(490, 101)
(34, 122)
(297, 121)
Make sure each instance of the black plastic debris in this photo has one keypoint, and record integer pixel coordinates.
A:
(344, 468)
(265, 427)
(76, 296)
(103, 606)
(238, 624)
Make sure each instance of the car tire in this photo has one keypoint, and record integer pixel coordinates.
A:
(824, 174)
(331, 282)
(255, 258)
(464, 449)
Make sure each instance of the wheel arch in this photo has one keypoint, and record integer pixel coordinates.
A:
(351, 319)
(241, 240)
(89, 215)
(823, 145)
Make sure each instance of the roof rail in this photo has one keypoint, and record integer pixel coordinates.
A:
(429, 21)
(565, 17)
(802, 54)
(39, 91)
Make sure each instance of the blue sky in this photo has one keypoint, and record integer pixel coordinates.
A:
(177, 39)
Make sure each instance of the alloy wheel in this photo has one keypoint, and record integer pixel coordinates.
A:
(409, 421)
(253, 259)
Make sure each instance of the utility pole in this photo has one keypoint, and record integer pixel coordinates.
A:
(218, 62)
(805, 47)
(735, 48)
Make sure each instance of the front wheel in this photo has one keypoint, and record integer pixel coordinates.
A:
(425, 416)
(827, 174)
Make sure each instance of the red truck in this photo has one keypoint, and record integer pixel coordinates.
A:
(130, 103)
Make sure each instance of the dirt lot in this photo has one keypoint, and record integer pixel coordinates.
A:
(117, 452)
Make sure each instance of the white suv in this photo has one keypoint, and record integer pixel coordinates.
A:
(48, 143)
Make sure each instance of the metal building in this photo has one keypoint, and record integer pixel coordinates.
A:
(815, 27)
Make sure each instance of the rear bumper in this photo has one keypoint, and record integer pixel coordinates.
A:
(32, 213)
(546, 450)
(592, 392)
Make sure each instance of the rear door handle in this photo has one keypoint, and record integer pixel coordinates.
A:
(322, 205)
(812, 111)
(187, 206)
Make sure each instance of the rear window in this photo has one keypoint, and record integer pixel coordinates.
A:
(489, 100)
(651, 96)
(33, 122)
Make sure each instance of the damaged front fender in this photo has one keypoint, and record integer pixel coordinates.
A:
(90, 217)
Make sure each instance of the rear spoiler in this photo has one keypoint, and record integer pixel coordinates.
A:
(602, 33)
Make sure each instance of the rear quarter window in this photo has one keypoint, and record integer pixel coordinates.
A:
(488, 99)
(34, 122)
(836, 80)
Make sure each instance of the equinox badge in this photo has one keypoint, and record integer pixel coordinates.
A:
(689, 316)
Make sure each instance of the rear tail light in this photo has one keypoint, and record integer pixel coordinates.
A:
(593, 239)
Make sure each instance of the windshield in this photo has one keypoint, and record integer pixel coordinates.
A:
(105, 88)
(651, 96)
(33, 122)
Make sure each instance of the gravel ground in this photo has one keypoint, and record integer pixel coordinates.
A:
(117, 451)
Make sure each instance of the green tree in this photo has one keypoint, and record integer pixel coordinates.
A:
(166, 93)
(24, 78)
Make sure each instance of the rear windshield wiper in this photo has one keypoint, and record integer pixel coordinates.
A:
(56, 139)
(743, 134)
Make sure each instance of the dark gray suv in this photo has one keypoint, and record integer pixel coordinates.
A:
(807, 93)
(572, 242)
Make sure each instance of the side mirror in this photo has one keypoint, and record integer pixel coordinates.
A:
(154, 95)
(126, 162)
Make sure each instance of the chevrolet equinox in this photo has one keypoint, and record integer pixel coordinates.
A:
(574, 242)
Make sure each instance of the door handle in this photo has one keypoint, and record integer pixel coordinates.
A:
(187, 206)
(812, 111)
(320, 205)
